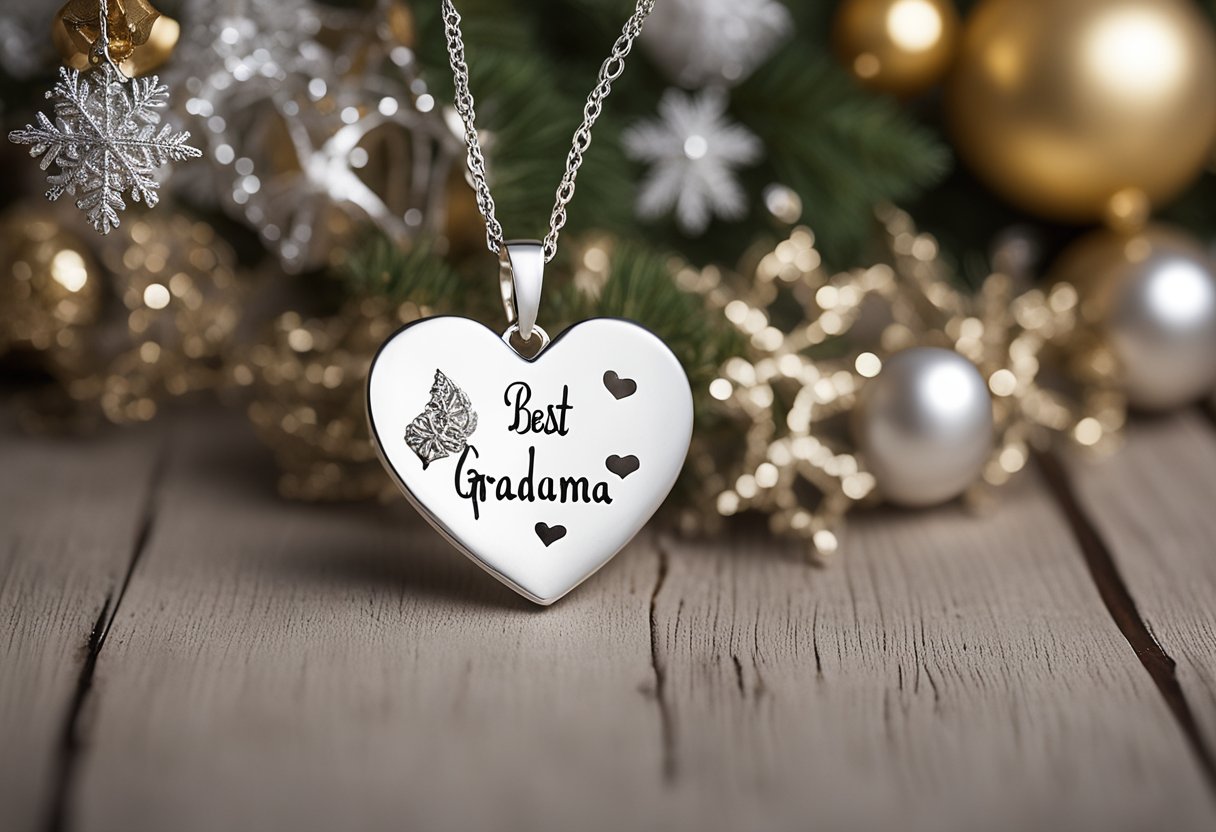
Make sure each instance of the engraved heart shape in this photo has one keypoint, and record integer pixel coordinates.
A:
(620, 387)
(507, 456)
(549, 534)
(622, 466)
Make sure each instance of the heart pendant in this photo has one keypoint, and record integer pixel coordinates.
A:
(539, 469)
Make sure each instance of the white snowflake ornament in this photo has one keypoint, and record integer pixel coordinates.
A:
(693, 150)
(702, 42)
(104, 140)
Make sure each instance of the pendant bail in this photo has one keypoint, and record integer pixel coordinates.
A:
(521, 273)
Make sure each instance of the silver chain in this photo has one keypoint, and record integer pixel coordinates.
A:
(610, 70)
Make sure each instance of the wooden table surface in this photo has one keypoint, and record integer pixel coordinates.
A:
(181, 650)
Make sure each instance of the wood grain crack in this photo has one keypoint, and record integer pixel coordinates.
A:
(72, 735)
(1123, 610)
(659, 667)
(1208, 409)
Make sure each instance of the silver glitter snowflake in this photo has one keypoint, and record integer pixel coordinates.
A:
(693, 150)
(444, 426)
(104, 140)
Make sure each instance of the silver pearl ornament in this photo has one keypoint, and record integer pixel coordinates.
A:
(924, 426)
(1151, 296)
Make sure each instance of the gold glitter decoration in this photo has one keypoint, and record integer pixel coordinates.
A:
(125, 323)
(177, 285)
(50, 284)
(815, 338)
(306, 380)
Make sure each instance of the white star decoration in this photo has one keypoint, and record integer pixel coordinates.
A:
(104, 141)
(693, 151)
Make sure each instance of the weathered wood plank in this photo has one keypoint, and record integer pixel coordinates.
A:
(947, 672)
(285, 666)
(1154, 504)
(70, 515)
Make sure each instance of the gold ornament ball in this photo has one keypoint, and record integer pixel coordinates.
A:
(1079, 110)
(1151, 298)
(896, 46)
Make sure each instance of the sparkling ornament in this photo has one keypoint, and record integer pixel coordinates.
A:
(141, 38)
(539, 469)
(305, 382)
(924, 426)
(316, 121)
(706, 42)
(1063, 106)
(104, 141)
(897, 46)
(817, 340)
(181, 299)
(1151, 298)
(122, 323)
(50, 284)
(693, 150)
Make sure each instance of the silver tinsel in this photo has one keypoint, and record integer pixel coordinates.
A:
(104, 141)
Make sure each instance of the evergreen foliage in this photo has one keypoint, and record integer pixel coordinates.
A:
(639, 287)
(380, 268)
(532, 63)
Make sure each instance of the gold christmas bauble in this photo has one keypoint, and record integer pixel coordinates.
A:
(1080, 109)
(896, 46)
(50, 284)
(1151, 299)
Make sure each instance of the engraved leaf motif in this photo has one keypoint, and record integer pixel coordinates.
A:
(444, 426)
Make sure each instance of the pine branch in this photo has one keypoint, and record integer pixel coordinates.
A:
(640, 287)
(842, 149)
(381, 268)
(528, 109)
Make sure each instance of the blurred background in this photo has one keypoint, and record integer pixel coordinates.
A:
(1016, 196)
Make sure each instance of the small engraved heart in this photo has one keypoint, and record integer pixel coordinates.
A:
(619, 387)
(549, 534)
(622, 466)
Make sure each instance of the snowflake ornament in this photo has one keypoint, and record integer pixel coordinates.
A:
(104, 140)
(693, 151)
(701, 42)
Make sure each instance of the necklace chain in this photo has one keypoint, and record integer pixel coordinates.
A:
(610, 70)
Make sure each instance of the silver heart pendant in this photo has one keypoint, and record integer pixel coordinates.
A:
(539, 469)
